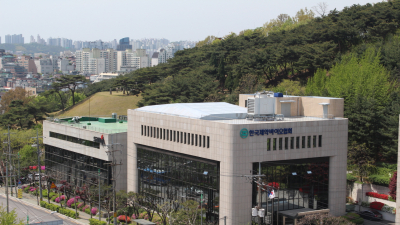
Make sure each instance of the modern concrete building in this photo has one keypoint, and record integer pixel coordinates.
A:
(28, 63)
(188, 150)
(77, 151)
(44, 66)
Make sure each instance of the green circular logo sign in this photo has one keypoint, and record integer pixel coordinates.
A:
(244, 133)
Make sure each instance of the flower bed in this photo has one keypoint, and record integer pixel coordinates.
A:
(379, 206)
(376, 195)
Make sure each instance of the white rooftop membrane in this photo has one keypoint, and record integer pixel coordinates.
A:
(203, 110)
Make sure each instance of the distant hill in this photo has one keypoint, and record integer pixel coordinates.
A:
(34, 48)
(104, 104)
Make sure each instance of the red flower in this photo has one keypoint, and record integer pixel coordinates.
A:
(376, 205)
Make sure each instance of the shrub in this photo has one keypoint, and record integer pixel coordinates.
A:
(60, 210)
(376, 205)
(43, 204)
(52, 194)
(376, 195)
(53, 199)
(57, 200)
(393, 186)
(96, 222)
(84, 208)
(379, 180)
(93, 211)
(26, 190)
(81, 205)
(87, 210)
(351, 178)
(122, 218)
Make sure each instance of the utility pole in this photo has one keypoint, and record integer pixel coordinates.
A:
(39, 169)
(99, 196)
(201, 208)
(259, 192)
(8, 142)
(114, 173)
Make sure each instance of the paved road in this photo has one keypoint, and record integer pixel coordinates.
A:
(369, 222)
(36, 213)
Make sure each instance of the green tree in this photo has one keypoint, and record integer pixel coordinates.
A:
(10, 218)
(71, 82)
(360, 160)
(187, 214)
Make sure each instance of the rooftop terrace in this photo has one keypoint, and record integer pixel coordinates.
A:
(106, 125)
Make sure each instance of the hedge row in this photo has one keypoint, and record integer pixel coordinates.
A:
(379, 180)
(59, 209)
(96, 222)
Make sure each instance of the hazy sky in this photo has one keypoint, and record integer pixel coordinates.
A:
(89, 20)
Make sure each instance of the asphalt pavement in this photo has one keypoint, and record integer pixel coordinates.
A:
(36, 213)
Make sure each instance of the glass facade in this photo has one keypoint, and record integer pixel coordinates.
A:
(75, 168)
(303, 183)
(74, 140)
(168, 175)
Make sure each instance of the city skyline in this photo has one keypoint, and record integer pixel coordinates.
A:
(173, 20)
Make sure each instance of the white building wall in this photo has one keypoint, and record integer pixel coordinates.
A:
(120, 138)
(237, 155)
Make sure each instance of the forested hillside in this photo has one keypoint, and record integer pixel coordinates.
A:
(353, 54)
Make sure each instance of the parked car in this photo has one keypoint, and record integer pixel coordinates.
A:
(36, 177)
(371, 215)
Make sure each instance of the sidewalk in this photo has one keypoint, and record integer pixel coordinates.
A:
(32, 200)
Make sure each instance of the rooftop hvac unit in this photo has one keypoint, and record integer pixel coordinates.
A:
(261, 104)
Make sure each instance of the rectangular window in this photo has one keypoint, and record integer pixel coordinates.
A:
(185, 138)
(200, 140)
(163, 135)
(208, 141)
(297, 142)
(269, 144)
(181, 137)
(320, 141)
(314, 141)
(142, 130)
(192, 139)
(286, 143)
(170, 135)
(148, 131)
(154, 132)
(303, 141)
(308, 141)
(291, 142)
(245, 103)
(167, 134)
(177, 136)
(280, 143)
(196, 139)
(151, 131)
(188, 139)
(204, 141)
(158, 132)
(274, 144)
(174, 136)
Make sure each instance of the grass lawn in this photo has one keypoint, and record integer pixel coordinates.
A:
(104, 104)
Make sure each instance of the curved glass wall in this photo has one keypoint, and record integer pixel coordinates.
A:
(168, 175)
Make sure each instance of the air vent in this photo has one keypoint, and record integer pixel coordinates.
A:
(250, 105)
